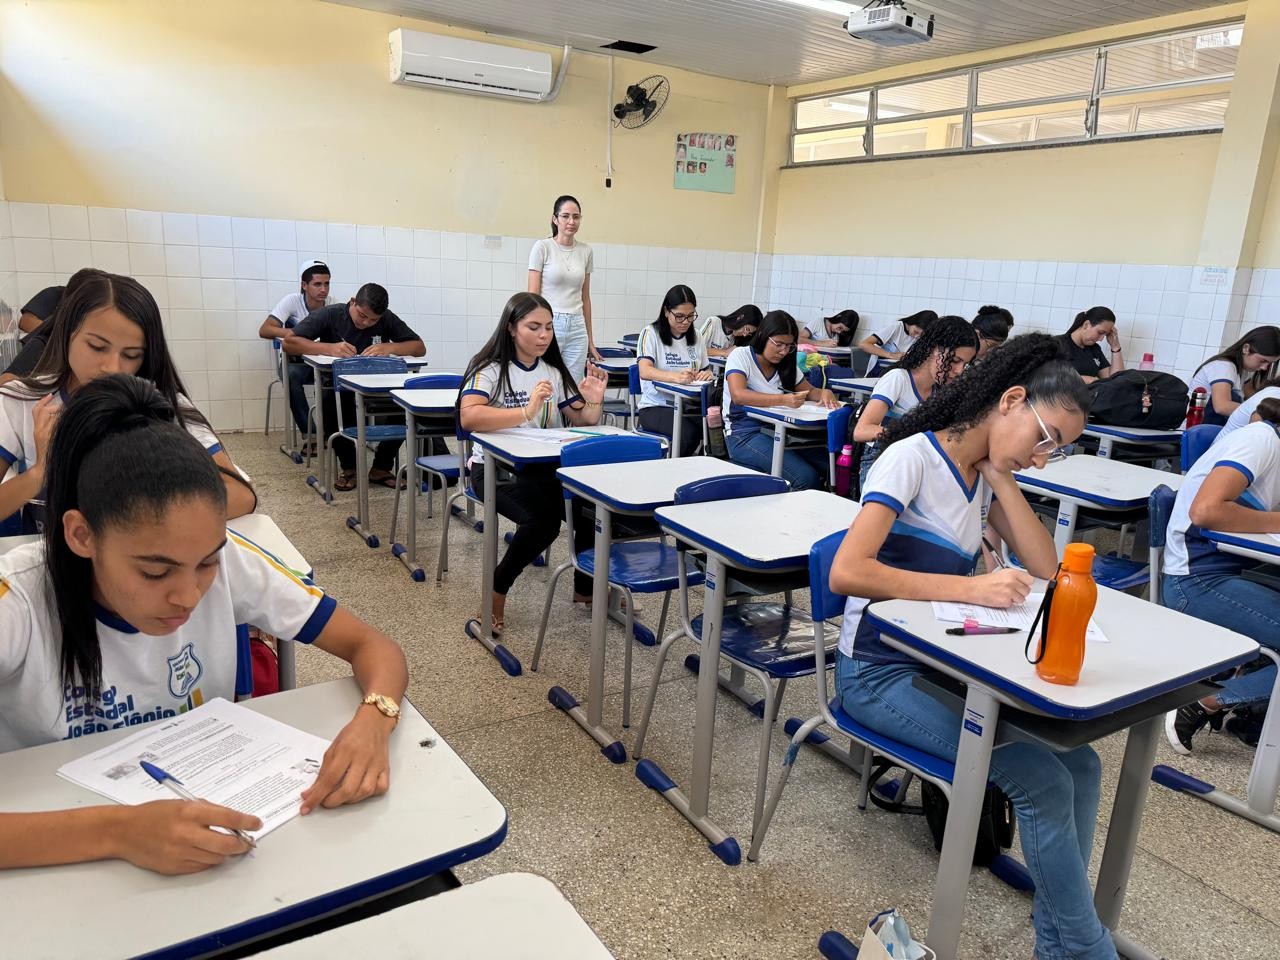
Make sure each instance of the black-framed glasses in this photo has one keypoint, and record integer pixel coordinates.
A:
(683, 317)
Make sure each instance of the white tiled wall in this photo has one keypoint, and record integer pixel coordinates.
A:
(1181, 314)
(215, 278)
(9, 302)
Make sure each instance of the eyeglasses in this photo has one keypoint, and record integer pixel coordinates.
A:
(684, 317)
(1048, 447)
(779, 345)
(574, 217)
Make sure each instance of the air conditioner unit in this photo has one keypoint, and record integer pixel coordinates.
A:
(468, 66)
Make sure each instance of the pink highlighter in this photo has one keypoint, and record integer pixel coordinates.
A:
(972, 628)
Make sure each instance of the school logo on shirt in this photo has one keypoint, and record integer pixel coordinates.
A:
(676, 359)
(185, 671)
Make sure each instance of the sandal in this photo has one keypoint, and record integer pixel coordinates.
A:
(345, 481)
(385, 479)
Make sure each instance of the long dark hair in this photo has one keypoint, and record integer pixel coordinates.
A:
(1269, 410)
(1033, 360)
(555, 210)
(776, 323)
(850, 319)
(1093, 316)
(117, 456)
(947, 334)
(921, 319)
(501, 347)
(125, 294)
(675, 296)
(1263, 340)
(993, 323)
(747, 315)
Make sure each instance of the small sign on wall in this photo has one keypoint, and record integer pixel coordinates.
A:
(706, 161)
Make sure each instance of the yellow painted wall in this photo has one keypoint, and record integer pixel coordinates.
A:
(283, 108)
(1268, 250)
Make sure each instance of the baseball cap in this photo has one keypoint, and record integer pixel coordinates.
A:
(309, 264)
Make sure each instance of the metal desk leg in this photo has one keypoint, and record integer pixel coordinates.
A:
(676, 425)
(693, 806)
(1104, 447)
(409, 555)
(1065, 526)
(482, 629)
(286, 666)
(779, 446)
(1264, 776)
(1126, 818)
(321, 485)
(360, 522)
(592, 718)
(973, 764)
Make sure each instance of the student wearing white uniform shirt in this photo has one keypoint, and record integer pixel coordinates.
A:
(1234, 374)
(1243, 414)
(722, 334)
(292, 308)
(890, 344)
(110, 324)
(1234, 488)
(669, 351)
(833, 331)
(918, 537)
(946, 347)
(518, 379)
(560, 270)
(765, 375)
(126, 611)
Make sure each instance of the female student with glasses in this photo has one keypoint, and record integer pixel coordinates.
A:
(765, 375)
(945, 465)
(670, 351)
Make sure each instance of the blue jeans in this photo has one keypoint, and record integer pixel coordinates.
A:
(1235, 603)
(571, 335)
(299, 376)
(803, 468)
(1055, 796)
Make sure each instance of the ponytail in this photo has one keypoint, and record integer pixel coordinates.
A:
(1093, 316)
(116, 456)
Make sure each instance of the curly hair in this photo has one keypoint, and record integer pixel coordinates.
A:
(1035, 361)
(947, 334)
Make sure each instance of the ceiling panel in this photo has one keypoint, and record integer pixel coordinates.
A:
(773, 41)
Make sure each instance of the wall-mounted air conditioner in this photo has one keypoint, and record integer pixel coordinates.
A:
(469, 66)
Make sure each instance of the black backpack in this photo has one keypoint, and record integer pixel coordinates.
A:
(1139, 398)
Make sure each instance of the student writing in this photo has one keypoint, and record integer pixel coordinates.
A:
(1228, 376)
(992, 324)
(669, 351)
(722, 334)
(890, 344)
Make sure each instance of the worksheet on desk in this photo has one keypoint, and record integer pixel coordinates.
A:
(221, 752)
(1019, 616)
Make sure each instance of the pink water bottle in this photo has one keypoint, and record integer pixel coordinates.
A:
(1148, 362)
(844, 471)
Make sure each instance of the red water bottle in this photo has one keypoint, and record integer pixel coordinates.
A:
(1195, 412)
(844, 471)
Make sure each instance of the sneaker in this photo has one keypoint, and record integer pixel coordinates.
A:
(1184, 723)
(1245, 727)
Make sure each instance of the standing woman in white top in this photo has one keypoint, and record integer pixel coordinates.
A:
(560, 270)
(669, 351)
(1237, 372)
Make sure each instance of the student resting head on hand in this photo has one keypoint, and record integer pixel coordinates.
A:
(137, 572)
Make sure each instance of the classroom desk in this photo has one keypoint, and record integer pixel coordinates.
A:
(434, 406)
(1107, 436)
(834, 353)
(436, 815)
(717, 362)
(769, 534)
(516, 915)
(1264, 776)
(508, 448)
(809, 419)
(630, 342)
(634, 489)
(679, 393)
(1084, 481)
(322, 364)
(1153, 652)
(859, 385)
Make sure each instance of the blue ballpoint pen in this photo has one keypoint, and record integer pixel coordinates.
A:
(175, 785)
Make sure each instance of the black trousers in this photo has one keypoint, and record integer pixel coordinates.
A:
(535, 504)
(662, 420)
(384, 455)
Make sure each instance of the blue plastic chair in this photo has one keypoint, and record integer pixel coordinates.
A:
(442, 465)
(1196, 441)
(635, 566)
(633, 396)
(770, 641)
(616, 353)
(1160, 506)
(465, 492)
(837, 437)
(374, 433)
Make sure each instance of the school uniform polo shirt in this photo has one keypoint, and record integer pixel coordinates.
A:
(1216, 371)
(677, 356)
(743, 361)
(144, 677)
(938, 528)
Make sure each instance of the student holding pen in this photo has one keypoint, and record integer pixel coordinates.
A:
(126, 612)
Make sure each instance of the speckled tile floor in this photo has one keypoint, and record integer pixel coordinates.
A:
(1204, 883)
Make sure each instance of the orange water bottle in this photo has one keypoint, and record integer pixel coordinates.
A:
(1071, 606)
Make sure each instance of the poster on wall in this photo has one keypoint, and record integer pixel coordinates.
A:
(706, 161)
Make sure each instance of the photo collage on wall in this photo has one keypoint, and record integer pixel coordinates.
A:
(706, 161)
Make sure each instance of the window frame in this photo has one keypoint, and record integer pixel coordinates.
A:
(1095, 100)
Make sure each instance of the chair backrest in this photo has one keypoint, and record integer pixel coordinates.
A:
(838, 429)
(356, 365)
(1196, 441)
(734, 487)
(633, 380)
(1160, 507)
(434, 381)
(616, 352)
(822, 602)
(614, 449)
(630, 337)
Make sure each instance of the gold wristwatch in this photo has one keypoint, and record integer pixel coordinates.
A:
(386, 706)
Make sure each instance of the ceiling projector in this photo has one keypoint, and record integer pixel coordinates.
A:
(889, 25)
